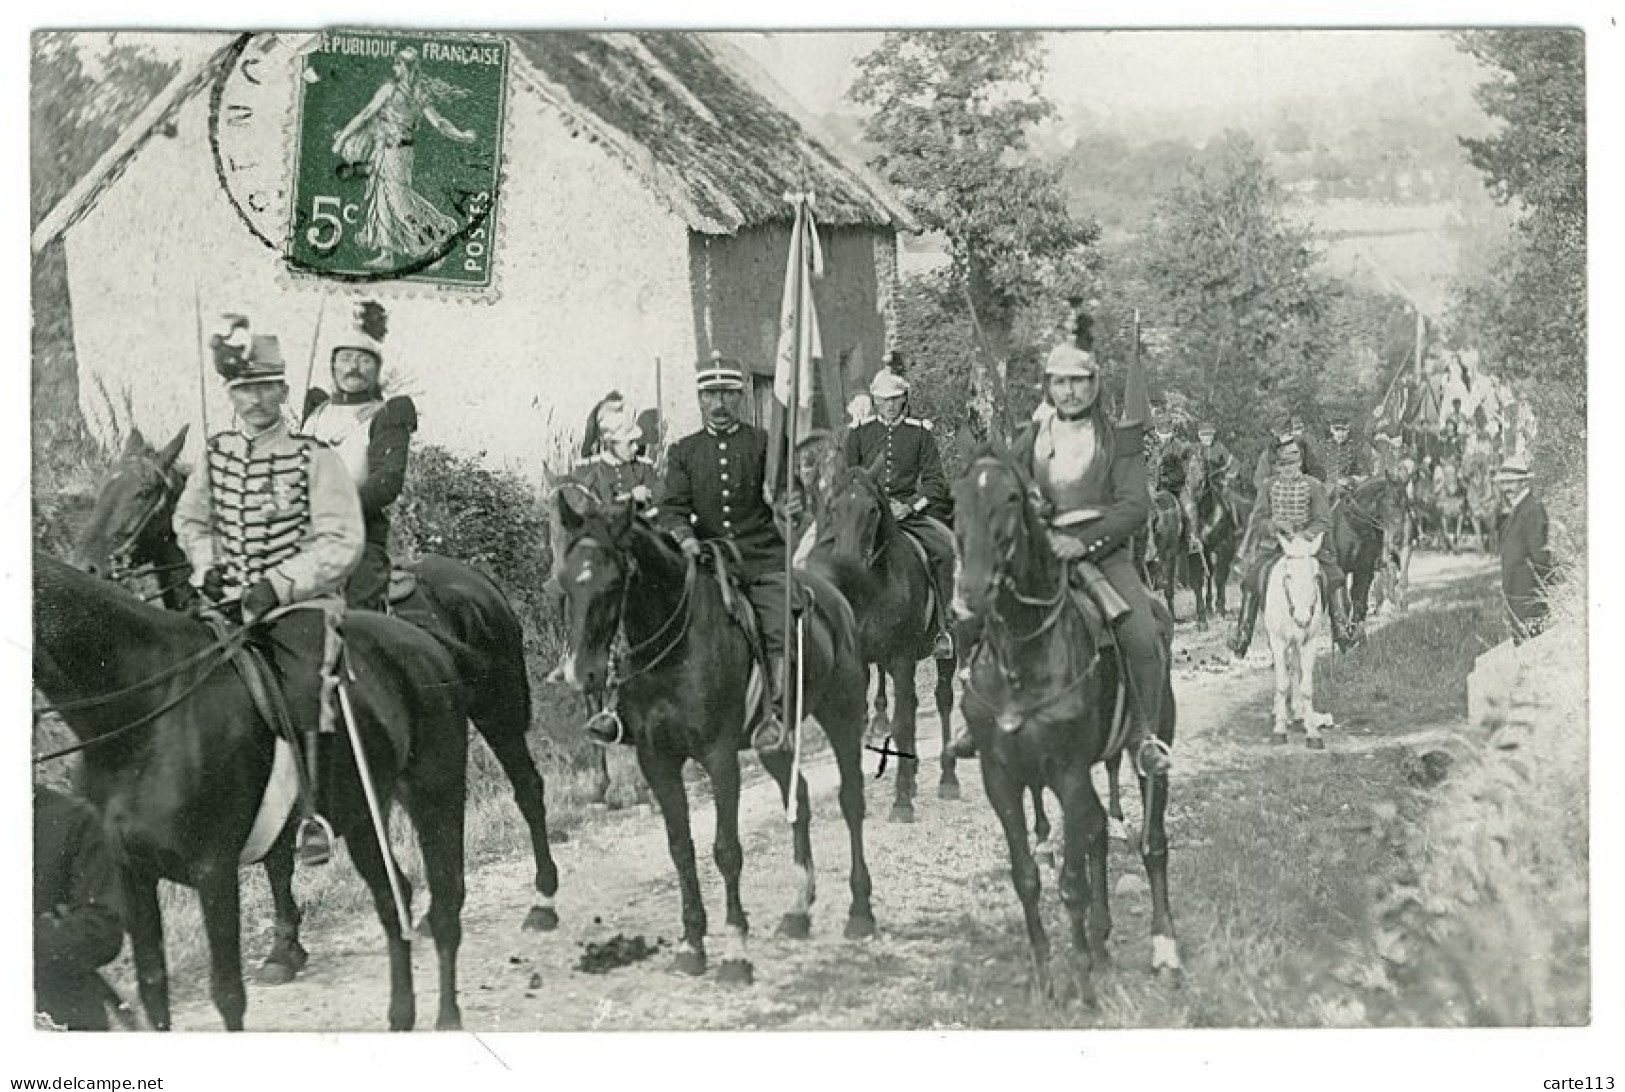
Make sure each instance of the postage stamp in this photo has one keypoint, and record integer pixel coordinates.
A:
(398, 157)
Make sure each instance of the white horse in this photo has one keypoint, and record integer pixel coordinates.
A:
(1293, 606)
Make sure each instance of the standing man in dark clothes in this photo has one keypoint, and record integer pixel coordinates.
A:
(372, 435)
(1526, 558)
(77, 926)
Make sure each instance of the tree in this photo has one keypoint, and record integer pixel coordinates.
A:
(1235, 281)
(951, 113)
(1529, 311)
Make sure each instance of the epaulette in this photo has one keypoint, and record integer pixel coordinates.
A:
(582, 464)
(923, 422)
(645, 460)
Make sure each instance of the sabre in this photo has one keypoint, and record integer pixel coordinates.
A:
(380, 829)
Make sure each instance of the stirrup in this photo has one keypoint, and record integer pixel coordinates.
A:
(943, 647)
(314, 844)
(606, 728)
(1155, 744)
(770, 735)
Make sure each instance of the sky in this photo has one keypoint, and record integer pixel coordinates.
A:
(1236, 72)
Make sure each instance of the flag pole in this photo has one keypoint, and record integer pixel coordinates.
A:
(792, 415)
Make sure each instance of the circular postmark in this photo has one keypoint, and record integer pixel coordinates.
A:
(365, 156)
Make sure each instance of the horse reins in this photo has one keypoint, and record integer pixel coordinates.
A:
(226, 647)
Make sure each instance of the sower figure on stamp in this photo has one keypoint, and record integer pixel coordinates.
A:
(1091, 479)
(373, 435)
(270, 518)
(1526, 559)
(1293, 504)
(77, 922)
(904, 450)
(715, 490)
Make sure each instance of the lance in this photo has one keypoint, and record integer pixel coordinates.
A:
(315, 342)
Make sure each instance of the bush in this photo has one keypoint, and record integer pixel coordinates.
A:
(492, 519)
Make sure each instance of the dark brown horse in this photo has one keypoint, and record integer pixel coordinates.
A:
(1040, 704)
(1368, 531)
(1166, 560)
(870, 560)
(129, 532)
(1217, 529)
(683, 694)
(176, 758)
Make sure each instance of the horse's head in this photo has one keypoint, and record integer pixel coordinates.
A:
(1300, 576)
(991, 524)
(594, 577)
(132, 510)
(855, 517)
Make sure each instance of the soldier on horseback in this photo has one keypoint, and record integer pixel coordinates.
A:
(904, 449)
(618, 472)
(1174, 471)
(715, 489)
(1346, 464)
(372, 435)
(271, 518)
(1089, 475)
(1291, 503)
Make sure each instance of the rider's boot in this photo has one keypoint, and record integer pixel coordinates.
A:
(1344, 635)
(313, 844)
(1246, 617)
(771, 735)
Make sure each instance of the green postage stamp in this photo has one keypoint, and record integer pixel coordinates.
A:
(398, 157)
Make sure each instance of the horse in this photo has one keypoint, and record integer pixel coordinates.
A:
(176, 758)
(130, 531)
(1041, 702)
(1483, 507)
(1165, 554)
(685, 692)
(1219, 535)
(1292, 610)
(1368, 531)
(868, 557)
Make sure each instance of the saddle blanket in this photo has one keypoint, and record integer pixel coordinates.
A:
(281, 791)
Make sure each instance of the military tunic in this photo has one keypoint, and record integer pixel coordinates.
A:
(610, 480)
(714, 490)
(373, 438)
(1345, 460)
(906, 455)
(275, 506)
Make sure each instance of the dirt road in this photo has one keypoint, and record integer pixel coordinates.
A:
(950, 951)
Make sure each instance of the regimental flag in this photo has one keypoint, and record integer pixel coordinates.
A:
(1136, 391)
(800, 347)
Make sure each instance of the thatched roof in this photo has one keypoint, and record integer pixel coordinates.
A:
(707, 131)
(711, 132)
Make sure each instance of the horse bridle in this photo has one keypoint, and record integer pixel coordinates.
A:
(1053, 606)
(121, 557)
(682, 613)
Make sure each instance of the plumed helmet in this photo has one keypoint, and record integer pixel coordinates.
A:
(1065, 359)
(242, 357)
(887, 384)
(368, 325)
